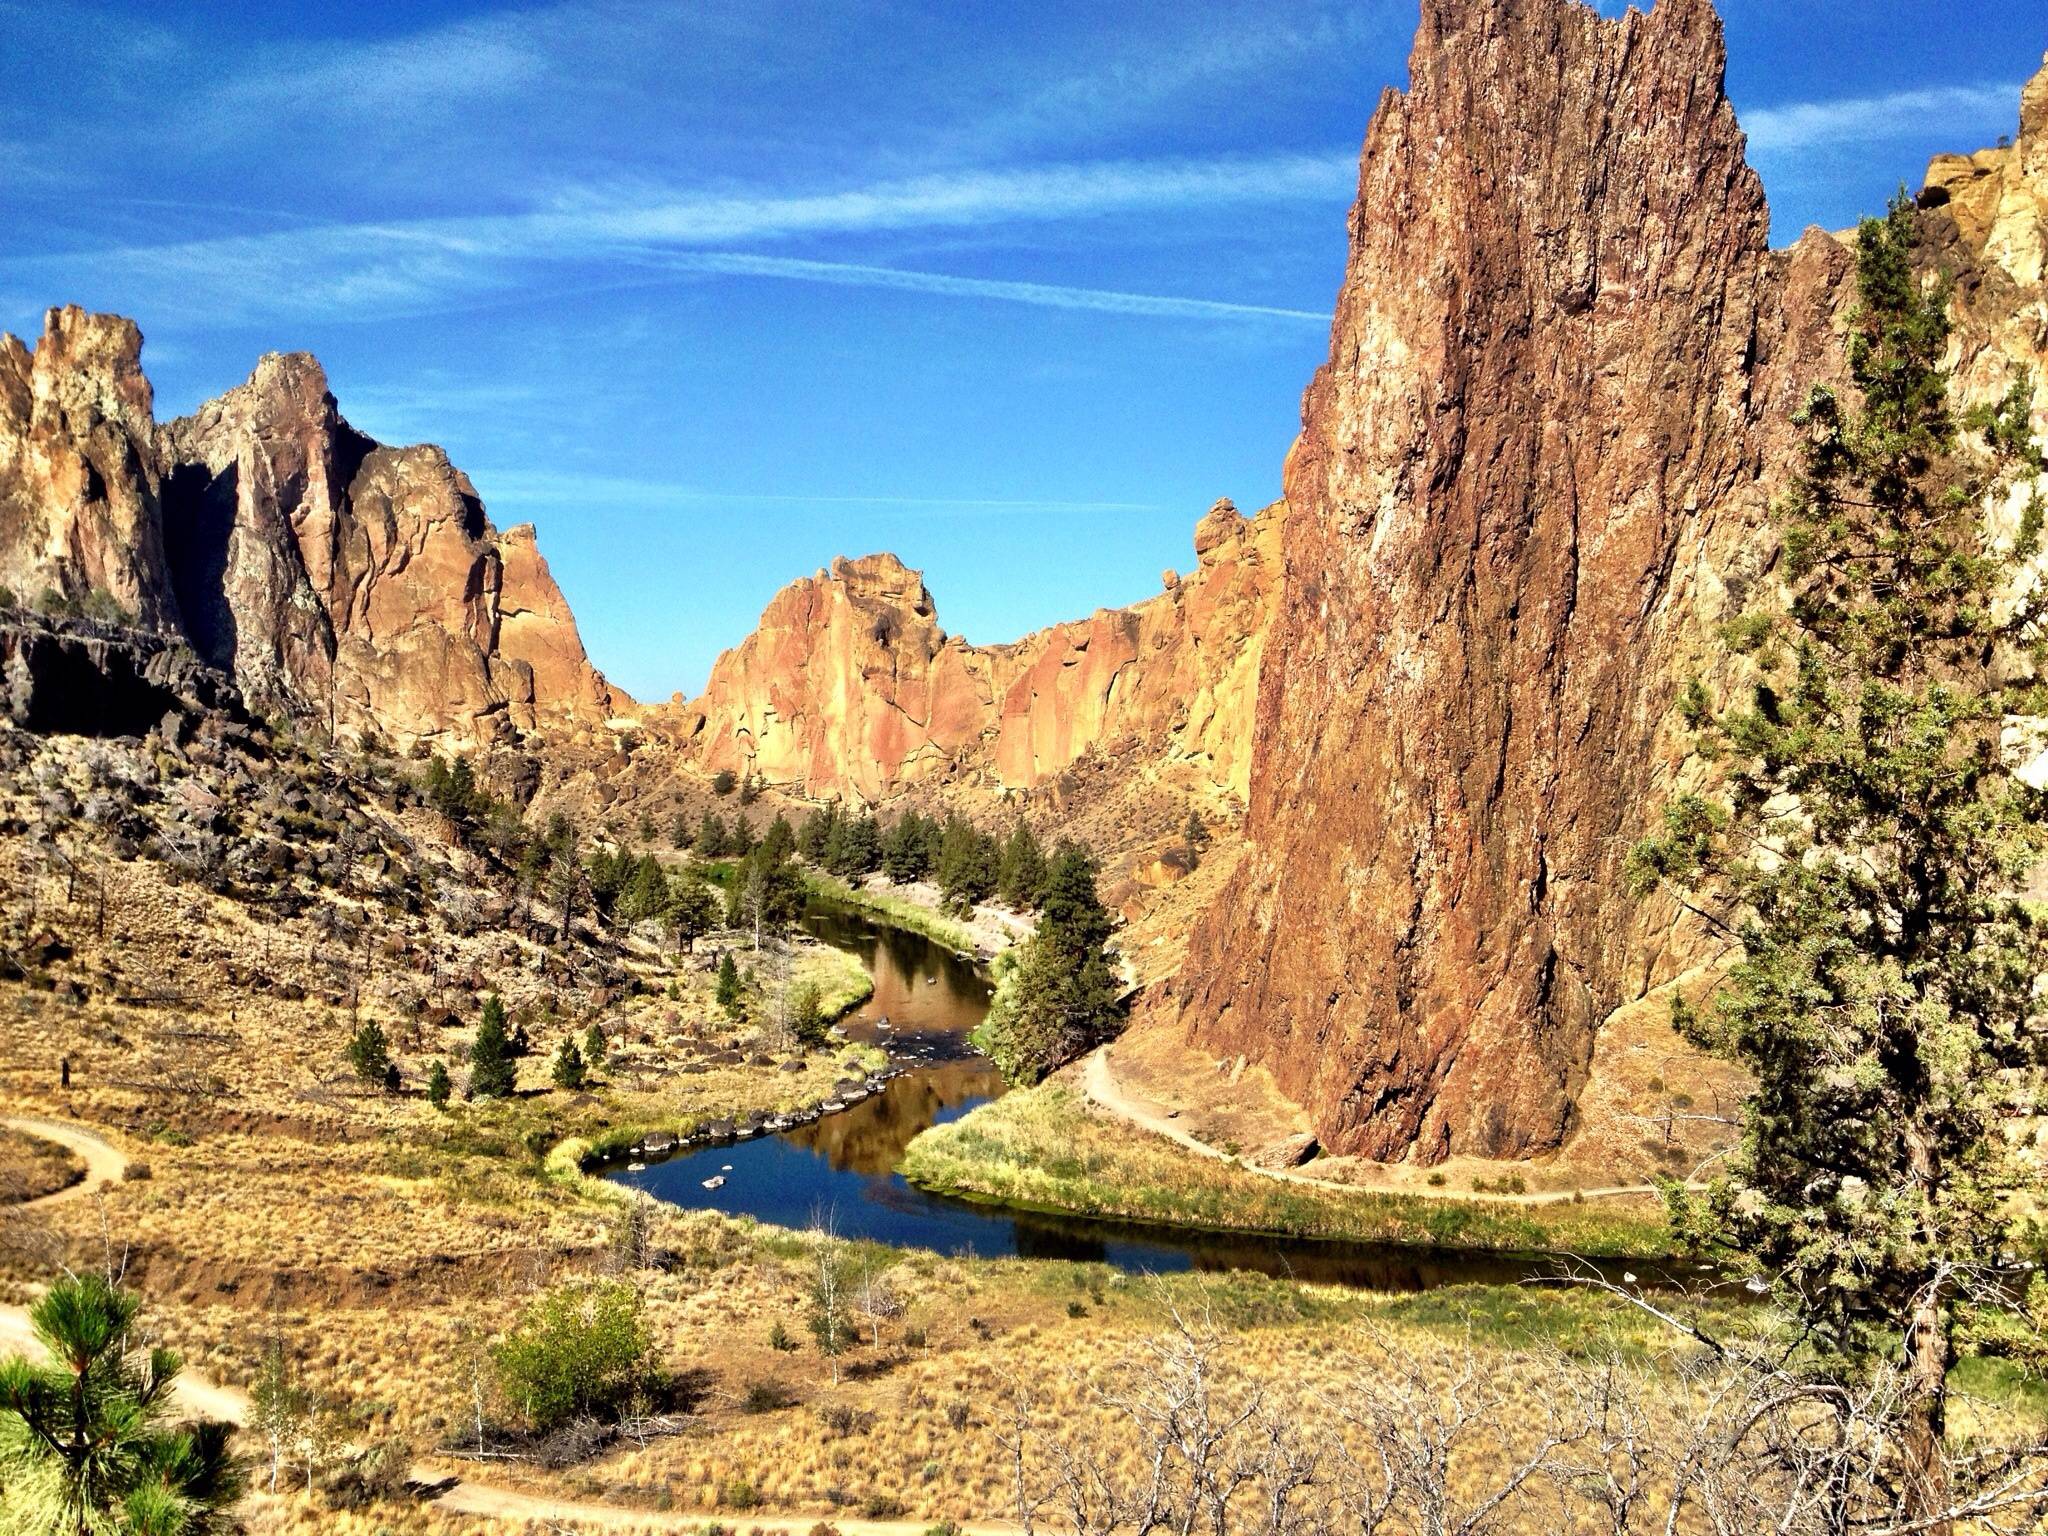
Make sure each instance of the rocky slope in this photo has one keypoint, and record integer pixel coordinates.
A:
(1539, 453)
(320, 568)
(849, 686)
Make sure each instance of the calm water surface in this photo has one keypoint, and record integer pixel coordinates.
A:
(843, 1168)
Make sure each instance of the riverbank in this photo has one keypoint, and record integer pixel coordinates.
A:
(1047, 1148)
(915, 907)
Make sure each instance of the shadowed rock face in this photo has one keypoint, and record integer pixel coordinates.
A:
(319, 568)
(1541, 401)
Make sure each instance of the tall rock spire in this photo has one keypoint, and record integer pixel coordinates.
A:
(1540, 392)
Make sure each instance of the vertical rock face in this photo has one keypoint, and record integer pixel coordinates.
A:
(1541, 393)
(849, 686)
(319, 568)
(1986, 223)
(78, 477)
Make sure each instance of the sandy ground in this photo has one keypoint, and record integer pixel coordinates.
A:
(1100, 1082)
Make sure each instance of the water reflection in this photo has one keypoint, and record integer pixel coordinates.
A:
(926, 1002)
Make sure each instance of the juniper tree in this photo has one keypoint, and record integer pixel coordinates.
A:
(1866, 848)
(438, 1086)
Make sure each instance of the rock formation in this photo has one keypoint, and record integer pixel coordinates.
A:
(319, 568)
(1542, 395)
(78, 473)
(1537, 460)
(849, 686)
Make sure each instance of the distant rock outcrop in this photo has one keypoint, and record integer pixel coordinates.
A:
(320, 569)
(78, 470)
(849, 686)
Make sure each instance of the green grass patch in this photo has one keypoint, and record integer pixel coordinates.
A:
(2004, 1383)
(897, 911)
(1041, 1148)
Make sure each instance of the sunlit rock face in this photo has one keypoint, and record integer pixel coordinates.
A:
(317, 567)
(79, 513)
(849, 686)
(1531, 480)
(1541, 410)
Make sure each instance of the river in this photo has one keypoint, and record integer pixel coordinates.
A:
(842, 1169)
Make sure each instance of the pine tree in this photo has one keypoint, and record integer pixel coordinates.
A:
(492, 1072)
(728, 984)
(87, 1443)
(438, 1086)
(807, 1017)
(966, 864)
(1057, 994)
(779, 840)
(817, 832)
(1022, 872)
(569, 1070)
(909, 852)
(595, 1048)
(1867, 851)
(369, 1052)
(713, 841)
(691, 909)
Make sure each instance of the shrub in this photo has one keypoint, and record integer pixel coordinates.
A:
(579, 1350)
(765, 1397)
(724, 781)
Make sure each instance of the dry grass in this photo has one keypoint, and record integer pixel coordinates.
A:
(1047, 1147)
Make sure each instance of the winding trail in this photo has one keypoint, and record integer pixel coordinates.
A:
(442, 1485)
(103, 1164)
(1099, 1083)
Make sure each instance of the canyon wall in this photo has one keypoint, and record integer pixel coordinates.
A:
(848, 685)
(321, 569)
(1529, 476)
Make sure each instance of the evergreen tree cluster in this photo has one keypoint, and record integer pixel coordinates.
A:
(1058, 994)
(968, 864)
(627, 888)
(847, 846)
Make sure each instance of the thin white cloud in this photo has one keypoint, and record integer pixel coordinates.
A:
(377, 270)
(1865, 119)
(1048, 295)
(957, 200)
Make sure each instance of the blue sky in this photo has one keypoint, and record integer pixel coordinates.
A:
(713, 292)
